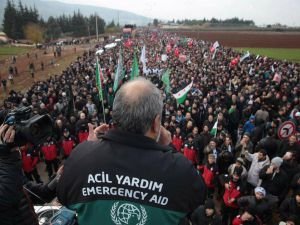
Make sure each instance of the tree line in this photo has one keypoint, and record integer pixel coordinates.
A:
(216, 22)
(18, 19)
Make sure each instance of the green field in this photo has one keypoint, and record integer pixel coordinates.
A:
(7, 51)
(289, 54)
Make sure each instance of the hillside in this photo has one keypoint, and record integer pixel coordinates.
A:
(54, 8)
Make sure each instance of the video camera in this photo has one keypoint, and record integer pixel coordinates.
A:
(34, 129)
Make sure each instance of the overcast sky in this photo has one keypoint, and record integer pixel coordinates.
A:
(261, 11)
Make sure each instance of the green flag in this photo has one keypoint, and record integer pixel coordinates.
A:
(98, 80)
(166, 80)
(214, 129)
(119, 75)
(135, 68)
(181, 95)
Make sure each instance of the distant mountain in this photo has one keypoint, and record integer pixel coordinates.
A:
(54, 8)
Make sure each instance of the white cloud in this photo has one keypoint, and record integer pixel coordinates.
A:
(261, 11)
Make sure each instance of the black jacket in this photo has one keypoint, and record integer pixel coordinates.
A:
(276, 185)
(263, 208)
(129, 172)
(289, 208)
(199, 217)
(15, 204)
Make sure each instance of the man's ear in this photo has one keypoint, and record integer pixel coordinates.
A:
(156, 124)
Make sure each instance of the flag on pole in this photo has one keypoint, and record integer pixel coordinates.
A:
(214, 129)
(251, 71)
(135, 68)
(245, 56)
(272, 68)
(98, 80)
(214, 47)
(143, 55)
(143, 59)
(166, 80)
(181, 95)
(214, 55)
(99, 86)
(119, 75)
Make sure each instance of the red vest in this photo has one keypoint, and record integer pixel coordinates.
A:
(177, 142)
(82, 136)
(68, 145)
(190, 153)
(209, 176)
(50, 151)
(28, 161)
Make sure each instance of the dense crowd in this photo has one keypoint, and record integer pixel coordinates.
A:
(250, 172)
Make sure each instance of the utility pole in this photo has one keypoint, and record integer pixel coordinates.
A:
(97, 27)
(118, 18)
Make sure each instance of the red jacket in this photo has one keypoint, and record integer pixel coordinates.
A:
(190, 153)
(238, 221)
(49, 150)
(234, 191)
(67, 145)
(29, 160)
(82, 136)
(209, 173)
(177, 142)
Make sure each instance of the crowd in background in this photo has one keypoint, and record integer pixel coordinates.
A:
(250, 172)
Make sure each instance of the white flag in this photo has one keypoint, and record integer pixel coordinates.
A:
(143, 59)
(245, 56)
(143, 55)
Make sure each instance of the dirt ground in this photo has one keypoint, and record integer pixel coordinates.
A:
(253, 39)
(52, 66)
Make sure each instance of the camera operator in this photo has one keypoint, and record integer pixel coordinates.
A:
(15, 205)
(131, 174)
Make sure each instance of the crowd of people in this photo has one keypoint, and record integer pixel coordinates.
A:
(252, 175)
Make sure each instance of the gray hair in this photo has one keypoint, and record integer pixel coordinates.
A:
(136, 105)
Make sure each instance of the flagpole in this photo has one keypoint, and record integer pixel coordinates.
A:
(97, 27)
(101, 94)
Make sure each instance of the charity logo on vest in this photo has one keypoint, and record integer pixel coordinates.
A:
(128, 214)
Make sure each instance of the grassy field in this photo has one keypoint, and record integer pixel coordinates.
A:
(7, 51)
(276, 53)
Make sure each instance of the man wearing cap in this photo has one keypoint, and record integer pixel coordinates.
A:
(274, 180)
(68, 143)
(261, 202)
(238, 163)
(206, 214)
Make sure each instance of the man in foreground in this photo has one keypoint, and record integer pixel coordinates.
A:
(131, 175)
